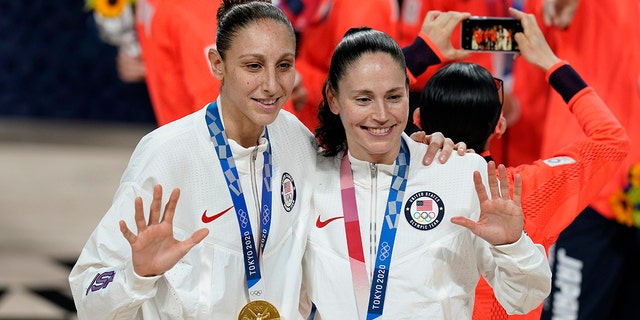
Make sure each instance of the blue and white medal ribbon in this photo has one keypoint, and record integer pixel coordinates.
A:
(255, 285)
(388, 234)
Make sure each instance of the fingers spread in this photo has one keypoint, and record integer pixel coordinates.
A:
(127, 233)
(504, 182)
(156, 205)
(195, 238)
(480, 189)
(493, 180)
(198, 236)
(170, 208)
(465, 222)
(139, 215)
(517, 189)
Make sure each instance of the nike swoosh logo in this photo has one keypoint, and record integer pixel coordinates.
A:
(207, 219)
(322, 224)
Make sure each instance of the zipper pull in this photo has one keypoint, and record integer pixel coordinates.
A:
(373, 168)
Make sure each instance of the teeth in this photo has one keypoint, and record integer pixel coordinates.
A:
(268, 101)
(379, 130)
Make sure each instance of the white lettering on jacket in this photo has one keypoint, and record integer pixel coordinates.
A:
(568, 279)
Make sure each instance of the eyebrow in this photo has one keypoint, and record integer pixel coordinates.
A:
(402, 88)
(262, 56)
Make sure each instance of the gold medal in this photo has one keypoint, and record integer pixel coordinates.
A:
(259, 310)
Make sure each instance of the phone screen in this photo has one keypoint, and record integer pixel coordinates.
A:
(490, 34)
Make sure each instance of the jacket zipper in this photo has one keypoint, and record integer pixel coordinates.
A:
(373, 232)
(257, 200)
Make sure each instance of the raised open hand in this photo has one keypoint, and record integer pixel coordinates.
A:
(500, 220)
(154, 250)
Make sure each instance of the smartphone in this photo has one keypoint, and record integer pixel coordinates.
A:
(490, 34)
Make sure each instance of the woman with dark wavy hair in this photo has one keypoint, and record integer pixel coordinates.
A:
(394, 238)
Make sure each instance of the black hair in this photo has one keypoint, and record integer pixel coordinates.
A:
(355, 43)
(234, 15)
(462, 101)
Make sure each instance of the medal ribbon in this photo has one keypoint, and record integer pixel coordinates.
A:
(255, 285)
(380, 278)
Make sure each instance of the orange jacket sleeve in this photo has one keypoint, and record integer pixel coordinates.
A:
(597, 28)
(174, 42)
(557, 189)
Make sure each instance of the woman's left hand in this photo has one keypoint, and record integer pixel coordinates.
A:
(501, 220)
(437, 142)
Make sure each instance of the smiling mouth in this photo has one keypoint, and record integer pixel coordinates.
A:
(379, 131)
(267, 102)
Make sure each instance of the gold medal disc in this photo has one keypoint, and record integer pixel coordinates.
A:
(259, 310)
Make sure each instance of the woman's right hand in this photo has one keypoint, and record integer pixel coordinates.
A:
(532, 43)
(154, 250)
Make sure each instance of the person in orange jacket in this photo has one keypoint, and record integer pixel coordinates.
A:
(523, 142)
(596, 259)
(321, 33)
(175, 37)
(463, 102)
(409, 23)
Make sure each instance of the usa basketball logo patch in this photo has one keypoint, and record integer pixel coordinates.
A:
(287, 192)
(424, 210)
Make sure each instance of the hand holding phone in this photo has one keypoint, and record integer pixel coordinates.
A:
(490, 34)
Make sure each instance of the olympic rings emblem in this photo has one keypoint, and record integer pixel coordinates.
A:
(266, 214)
(256, 293)
(243, 218)
(424, 216)
(424, 210)
(384, 250)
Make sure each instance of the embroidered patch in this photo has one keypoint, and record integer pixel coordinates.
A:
(101, 281)
(558, 161)
(424, 210)
(287, 192)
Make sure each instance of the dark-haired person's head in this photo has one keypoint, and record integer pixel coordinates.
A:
(463, 101)
(356, 44)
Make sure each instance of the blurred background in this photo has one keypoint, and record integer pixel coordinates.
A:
(67, 128)
(54, 66)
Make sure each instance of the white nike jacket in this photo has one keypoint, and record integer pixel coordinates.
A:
(209, 282)
(435, 264)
